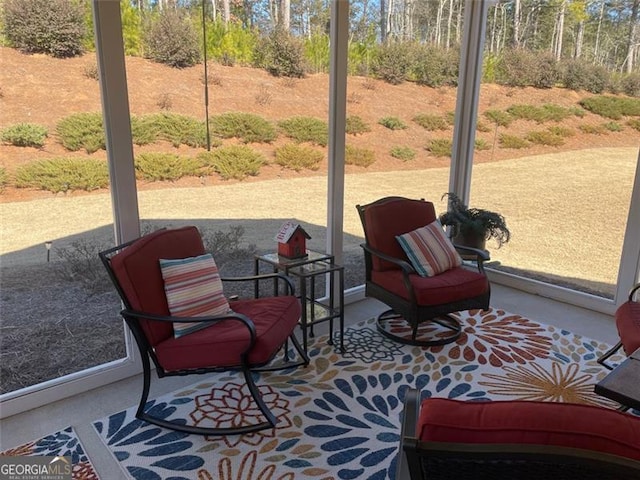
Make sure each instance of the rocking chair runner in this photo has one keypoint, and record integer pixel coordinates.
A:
(416, 300)
(246, 338)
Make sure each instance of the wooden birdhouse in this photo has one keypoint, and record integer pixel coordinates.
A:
(292, 240)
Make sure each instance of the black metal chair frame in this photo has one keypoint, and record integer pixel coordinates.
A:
(602, 360)
(409, 309)
(443, 460)
(132, 318)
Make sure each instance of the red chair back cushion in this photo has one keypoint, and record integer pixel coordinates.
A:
(137, 269)
(628, 323)
(530, 422)
(389, 217)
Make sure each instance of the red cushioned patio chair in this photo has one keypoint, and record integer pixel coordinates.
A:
(521, 440)
(628, 325)
(416, 301)
(245, 338)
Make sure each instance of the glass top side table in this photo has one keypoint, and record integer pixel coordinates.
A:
(314, 310)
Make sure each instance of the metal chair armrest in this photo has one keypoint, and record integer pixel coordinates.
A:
(246, 321)
(404, 265)
(481, 255)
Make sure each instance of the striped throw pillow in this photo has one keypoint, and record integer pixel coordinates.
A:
(429, 250)
(194, 289)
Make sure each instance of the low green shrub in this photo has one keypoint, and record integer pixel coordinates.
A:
(403, 153)
(24, 135)
(233, 162)
(526, 112)
(612, 107)
(613, 126)
(143, 131)
(356, 125)
(4, 179)
(577, 112)
(440, 147)
(540, 114)
(63, 174)
(483, 126)
(165, 166)
(634, 123)
(172, 127)
(245, 126)
(361, 157)
(481, 144)
(561, 131)
(82, 130)
(450, 118)
(392, 123)
(593, 129)
(431, 122)
(298, 157)
(306, 129)
(545, 137)
(499, 117)
(556, 113)
(512, 141)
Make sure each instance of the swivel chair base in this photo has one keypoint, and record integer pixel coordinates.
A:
(440, 330)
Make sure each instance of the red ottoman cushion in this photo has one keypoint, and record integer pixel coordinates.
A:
(530, 422)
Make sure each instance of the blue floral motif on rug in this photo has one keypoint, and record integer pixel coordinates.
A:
(63, 443)
(340, 417)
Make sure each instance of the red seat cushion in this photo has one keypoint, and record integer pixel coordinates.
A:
(450, 286)
(220, 345)
(530, 422)
(628, 323)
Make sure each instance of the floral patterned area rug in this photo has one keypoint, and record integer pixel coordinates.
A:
(340, 417)
(64, 443)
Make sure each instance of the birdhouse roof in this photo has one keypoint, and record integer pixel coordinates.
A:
(288, 229)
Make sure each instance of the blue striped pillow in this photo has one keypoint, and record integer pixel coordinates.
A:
(194, 289)
(429, 250)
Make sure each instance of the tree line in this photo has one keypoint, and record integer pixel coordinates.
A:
(603, 32)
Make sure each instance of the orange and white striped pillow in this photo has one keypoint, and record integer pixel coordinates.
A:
(429, 250)
(194, 289)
